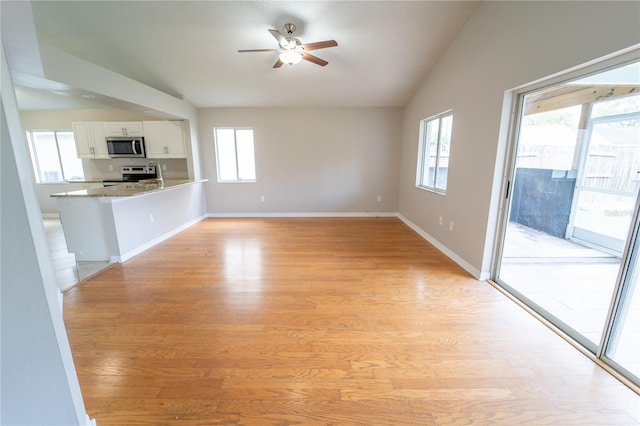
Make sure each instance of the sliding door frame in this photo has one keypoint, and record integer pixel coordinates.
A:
(517, 96)
(630, 260)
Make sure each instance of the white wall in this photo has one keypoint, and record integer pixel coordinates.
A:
(308, 160)
(502, 46)
(173, 210)
(37, 375)
(62, 119)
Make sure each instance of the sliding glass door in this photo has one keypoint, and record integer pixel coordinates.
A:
(622, 345)
(569, 248)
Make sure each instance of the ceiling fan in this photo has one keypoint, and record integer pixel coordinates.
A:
(291, 50)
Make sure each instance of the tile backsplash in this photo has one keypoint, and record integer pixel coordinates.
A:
(176, 168)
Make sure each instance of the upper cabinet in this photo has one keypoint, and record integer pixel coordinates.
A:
(164, 139)
(90, 140)
(124, 128)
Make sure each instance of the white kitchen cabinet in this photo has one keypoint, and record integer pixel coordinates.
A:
(84, 139)
(100, 148)
(90, 140)
(164, 139)
(123, 128)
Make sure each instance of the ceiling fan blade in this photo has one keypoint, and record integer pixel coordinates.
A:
(257, 50)
(320, 45)
(278, 64)
(276, 34)
(309, 57)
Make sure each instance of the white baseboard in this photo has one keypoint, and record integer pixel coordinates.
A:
(131, 253)
(444, 249)
(50, 215)
(89, 421)
(305, 214)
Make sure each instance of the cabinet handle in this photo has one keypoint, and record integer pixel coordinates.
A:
(166, 149)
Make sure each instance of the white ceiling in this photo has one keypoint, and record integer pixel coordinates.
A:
(189, 48)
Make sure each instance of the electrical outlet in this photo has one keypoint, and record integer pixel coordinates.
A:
(151, 218)
(451, 226)
(262, 198)
(164, 167)
(440, 221)
(110, 167)
(379, 197)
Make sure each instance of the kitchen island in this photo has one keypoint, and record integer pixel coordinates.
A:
(118, 222)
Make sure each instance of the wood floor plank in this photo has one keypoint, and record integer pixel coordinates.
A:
(320, 321)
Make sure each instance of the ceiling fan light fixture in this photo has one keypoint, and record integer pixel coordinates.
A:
(290, 57)
(291, 50)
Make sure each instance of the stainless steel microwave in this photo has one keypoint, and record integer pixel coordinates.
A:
(126, 147)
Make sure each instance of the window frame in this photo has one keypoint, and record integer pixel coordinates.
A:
(235, 150)
(424, 148)
(37, 171)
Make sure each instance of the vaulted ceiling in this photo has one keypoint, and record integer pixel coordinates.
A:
(189, 48)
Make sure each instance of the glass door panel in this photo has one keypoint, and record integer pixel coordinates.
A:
(608, 180)
(625, 347)
(603, 220)
(574, 189)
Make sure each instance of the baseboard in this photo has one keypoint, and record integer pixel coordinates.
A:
(50, 215)
(444, 249)
(304, 214)
(128, 255)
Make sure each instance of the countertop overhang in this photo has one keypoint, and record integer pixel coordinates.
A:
(133, 189)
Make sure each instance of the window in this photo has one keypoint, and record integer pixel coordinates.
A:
(54, 156)
(433, 152)
(235, 155)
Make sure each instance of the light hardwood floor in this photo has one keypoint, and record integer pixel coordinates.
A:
(320, 321)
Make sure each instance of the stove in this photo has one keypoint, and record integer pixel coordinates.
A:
(133, 174)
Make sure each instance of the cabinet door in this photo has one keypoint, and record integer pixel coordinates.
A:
(174, 139)
(100, 149)
(164, 139)
(132, 128)
(114, 128)
(83, 137)
(154, 138)
(124, 128)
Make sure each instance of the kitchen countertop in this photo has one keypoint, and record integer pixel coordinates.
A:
(130, 189)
